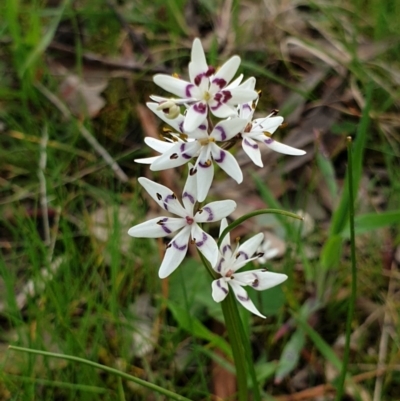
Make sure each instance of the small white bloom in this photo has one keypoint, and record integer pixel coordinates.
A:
(187, 222)
(208, 89)
(267, 251)
(230, 261)
(261, 130)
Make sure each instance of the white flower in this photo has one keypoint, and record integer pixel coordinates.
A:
(261, 130)
(205, 147)
(230, 261)
(187, 223)
(207, 90)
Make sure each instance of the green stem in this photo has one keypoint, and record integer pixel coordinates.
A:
(144, 383)
(252, 214)
(353, 294)
(235, 340)
(239, 342)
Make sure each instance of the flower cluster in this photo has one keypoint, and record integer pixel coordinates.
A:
(210, 113)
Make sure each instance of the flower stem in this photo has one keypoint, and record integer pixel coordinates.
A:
(239, 357)
(252, 214)
(353, 294)
(239, 342)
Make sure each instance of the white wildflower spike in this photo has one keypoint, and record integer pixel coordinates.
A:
(187, 222)
(230, 260)
(208, 89)
(261, 130)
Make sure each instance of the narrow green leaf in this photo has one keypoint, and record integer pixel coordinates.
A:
(341, 215)
(323, 347)
(331, 252)
(45, 41)
(290, 355)
(193, 325)
(328, 172)
(372, 221)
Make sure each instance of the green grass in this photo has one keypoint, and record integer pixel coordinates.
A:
(84, 289)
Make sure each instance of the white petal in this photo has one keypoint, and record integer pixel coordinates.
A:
(243, 298)
(163, 196)
(260, 279)
(225, 247)
(220, 290)
(235, 83)
(252, 150)
(225, 74)
(146, 160)
(250, 83)
(189, 194)
(175, 253)
(246, 111)
(268, 124)
(227, 162)
(198, 64)
(174, 85)
(240, 95)
(223, 110)
(227, 129)
(205, 173)
(195, 116)
(215, 211)
(157, 228)
(249, 247)
(158, 145)
(281, 148)
(179, 154)
(206, 244)
(176, 123)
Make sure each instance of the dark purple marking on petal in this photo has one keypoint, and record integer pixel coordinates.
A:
(189, 196)
(222, 97)
(221, 157)
(225, 248)
(207, 164)
(222, 131)
(256, 281)
(200, 108)
(220, 82)
(202, 242)
(203, 127)
(163, 226)
(167, 199)
(180, 127)
(219, 266)
(244, 299)
(210, 213)
(241, 253)
(188, 89)
(268, 141)
(224, 290)
(192, 171)
(183, 154)
(179, 248)
(252, 145)
(210, 71)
